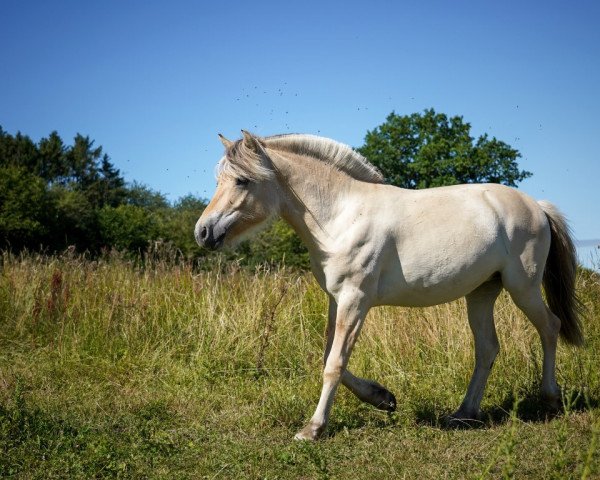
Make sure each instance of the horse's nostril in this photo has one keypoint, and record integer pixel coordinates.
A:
(204, 233)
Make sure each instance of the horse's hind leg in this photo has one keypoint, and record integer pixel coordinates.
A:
(480, 309)
(547, 324)
(366, 390)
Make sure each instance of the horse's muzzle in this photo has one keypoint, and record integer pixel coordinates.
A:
(208, 236)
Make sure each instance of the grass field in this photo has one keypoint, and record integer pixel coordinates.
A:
(109, 369)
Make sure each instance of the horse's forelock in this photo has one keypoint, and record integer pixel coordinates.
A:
(243, 162)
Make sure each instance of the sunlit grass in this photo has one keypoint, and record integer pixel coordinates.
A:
(114, 369)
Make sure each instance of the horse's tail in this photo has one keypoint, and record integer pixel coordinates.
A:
(559, 277)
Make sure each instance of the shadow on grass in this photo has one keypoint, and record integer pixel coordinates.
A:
(530, 408)
(358, 422)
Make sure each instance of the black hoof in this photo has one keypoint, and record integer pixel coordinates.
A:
(461, 421)
(553, 403)
(385, 399)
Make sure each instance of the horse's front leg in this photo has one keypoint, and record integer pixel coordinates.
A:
(368, 391)
(351, 312)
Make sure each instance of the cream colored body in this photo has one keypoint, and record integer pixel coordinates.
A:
(408, 244)
(374, 244)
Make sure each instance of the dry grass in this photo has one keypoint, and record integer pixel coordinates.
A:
(108, 369)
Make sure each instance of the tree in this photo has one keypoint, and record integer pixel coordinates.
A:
(51, 194)
(24, 208)
(82, 160)
(74, 221)
(140, 195)
(18, 151)
(276, 245)
(109, 187)
(179, 222)
(431, 150)
(52, 166)
(127, 227)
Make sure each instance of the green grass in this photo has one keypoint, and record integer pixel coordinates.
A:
(108, 369)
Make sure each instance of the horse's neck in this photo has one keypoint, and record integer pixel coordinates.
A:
(314, 192)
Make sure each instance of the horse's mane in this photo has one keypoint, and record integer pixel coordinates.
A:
(242, 161)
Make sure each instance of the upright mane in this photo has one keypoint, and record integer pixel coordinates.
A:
(241, 161)
(335, 153)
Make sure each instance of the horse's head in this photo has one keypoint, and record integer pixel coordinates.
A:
(246, 195)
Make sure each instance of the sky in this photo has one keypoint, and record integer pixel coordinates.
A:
(154, 82)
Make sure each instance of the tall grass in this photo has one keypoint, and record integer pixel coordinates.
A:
(110, 368)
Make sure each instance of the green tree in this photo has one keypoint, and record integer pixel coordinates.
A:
(109, 186)
(82, 160)
(73, 221)
(431, 150)
(24, 207)
(128, 227)
(52, 163)
(179, 222)
(18, 151)
(52, 193)
(140, 195)
(278, 244)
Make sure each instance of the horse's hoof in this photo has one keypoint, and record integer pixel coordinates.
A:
(388, 403)
(303, 437)
(380, 397)
(553, 402)
(309, 433)
(461, 419)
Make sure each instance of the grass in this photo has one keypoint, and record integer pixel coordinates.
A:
(112, 369)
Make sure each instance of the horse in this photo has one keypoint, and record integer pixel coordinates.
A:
(374, 244)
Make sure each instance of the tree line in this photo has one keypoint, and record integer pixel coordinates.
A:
(55, 196)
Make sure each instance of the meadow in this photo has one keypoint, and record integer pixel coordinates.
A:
(111, 368)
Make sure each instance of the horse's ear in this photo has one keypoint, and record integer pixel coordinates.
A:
(251, 142)
(226, 143)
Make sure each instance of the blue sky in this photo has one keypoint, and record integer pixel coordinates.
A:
(153, 82)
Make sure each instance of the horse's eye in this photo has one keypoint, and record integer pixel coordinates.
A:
(241, 181)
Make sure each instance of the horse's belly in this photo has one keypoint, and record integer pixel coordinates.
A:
(427, 283)
(425, 296)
